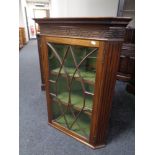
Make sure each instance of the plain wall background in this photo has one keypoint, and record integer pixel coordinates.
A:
(83, 8)
(22, 17)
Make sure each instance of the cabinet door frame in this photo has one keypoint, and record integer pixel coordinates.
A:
(106, 70)
(69, 41)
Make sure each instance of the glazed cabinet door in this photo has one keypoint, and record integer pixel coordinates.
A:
(71, 72)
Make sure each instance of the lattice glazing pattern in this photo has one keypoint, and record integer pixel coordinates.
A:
(72, 78)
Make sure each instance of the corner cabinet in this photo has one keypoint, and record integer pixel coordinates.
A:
(79, 59)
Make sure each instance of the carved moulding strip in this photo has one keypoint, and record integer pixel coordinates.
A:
(98, 33)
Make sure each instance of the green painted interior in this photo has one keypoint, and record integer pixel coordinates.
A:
(76, 100)
(69, 93)
(86, 75)
(83, 120)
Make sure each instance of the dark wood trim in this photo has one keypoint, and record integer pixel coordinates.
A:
(98, 28)
(46, 75)
(72, 41)
(84, 32)
(107, 66)
(40, 61)
(109, 21)
(74, 135)
(55, 124)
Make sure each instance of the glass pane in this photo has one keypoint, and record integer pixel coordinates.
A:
(72, 80)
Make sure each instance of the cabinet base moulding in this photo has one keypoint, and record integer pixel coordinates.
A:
(74, 135)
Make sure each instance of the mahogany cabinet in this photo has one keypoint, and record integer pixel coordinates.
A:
(79, 59)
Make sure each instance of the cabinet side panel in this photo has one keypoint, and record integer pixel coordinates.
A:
(107, 65)
(46, 77)
(39, 38)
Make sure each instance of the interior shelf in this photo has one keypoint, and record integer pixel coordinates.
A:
(76, 101)
(87, 76)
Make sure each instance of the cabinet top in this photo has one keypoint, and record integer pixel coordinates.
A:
(106, 21)
(98, 28)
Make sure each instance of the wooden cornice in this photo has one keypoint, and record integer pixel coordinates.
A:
(98, 28)
(106, 21)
